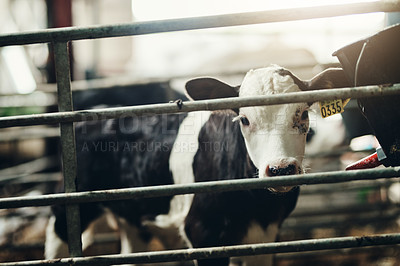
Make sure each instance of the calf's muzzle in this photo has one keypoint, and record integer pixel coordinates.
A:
(273, 170)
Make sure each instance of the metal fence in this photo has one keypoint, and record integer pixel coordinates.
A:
(66, 117)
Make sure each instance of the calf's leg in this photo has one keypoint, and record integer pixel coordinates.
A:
(56, 232)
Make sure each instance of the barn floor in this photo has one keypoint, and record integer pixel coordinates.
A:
(349, 209)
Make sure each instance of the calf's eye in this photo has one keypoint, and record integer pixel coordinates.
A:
(304, 115)
(244, 121)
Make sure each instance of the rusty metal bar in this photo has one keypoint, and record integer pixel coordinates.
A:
(202, 187)
(68, 149)
(227, 251)
(342, 222)
(140, 28)
(215, 104)
(35, 99)
(18, 134)
(30, 167)
(30, 179)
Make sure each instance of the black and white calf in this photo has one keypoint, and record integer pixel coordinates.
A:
(252, 142)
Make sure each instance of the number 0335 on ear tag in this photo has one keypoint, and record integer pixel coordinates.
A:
(329, 108)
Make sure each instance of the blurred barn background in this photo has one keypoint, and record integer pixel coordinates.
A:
(154, 68)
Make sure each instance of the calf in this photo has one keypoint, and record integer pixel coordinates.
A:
(252, 142)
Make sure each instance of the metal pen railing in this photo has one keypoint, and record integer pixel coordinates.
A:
(206, 22)
(227, 251)
(204, 105)
(202, 187)
(66, 116)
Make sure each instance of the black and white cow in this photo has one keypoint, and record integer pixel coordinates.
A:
(252, 142)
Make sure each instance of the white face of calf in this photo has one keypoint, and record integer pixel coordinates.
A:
(275, 135)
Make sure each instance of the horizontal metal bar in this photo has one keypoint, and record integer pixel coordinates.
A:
(140, 28)
(351, 208)
(188, 106)
(30, 167)
(22, 179)
(329, 189)
(18, 134)
(340, 255)
(342, 221)
(35, 99)
(227, 251)
(202, 187)
(99, 239)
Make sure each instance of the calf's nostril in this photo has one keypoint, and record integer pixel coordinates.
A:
(277, 171)
(273, 171)
(290, 170)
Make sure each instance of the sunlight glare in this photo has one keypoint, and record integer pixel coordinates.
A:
(160, 9)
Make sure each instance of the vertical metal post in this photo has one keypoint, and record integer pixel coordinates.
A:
(68, 146)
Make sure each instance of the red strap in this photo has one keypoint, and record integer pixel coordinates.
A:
(370, 161)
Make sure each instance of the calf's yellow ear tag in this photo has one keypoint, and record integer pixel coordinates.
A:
(333, 107)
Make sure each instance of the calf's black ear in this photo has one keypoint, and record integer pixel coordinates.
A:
(209, 88)
(329, 79)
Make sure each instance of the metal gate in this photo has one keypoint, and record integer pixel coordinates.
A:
(66, 117)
